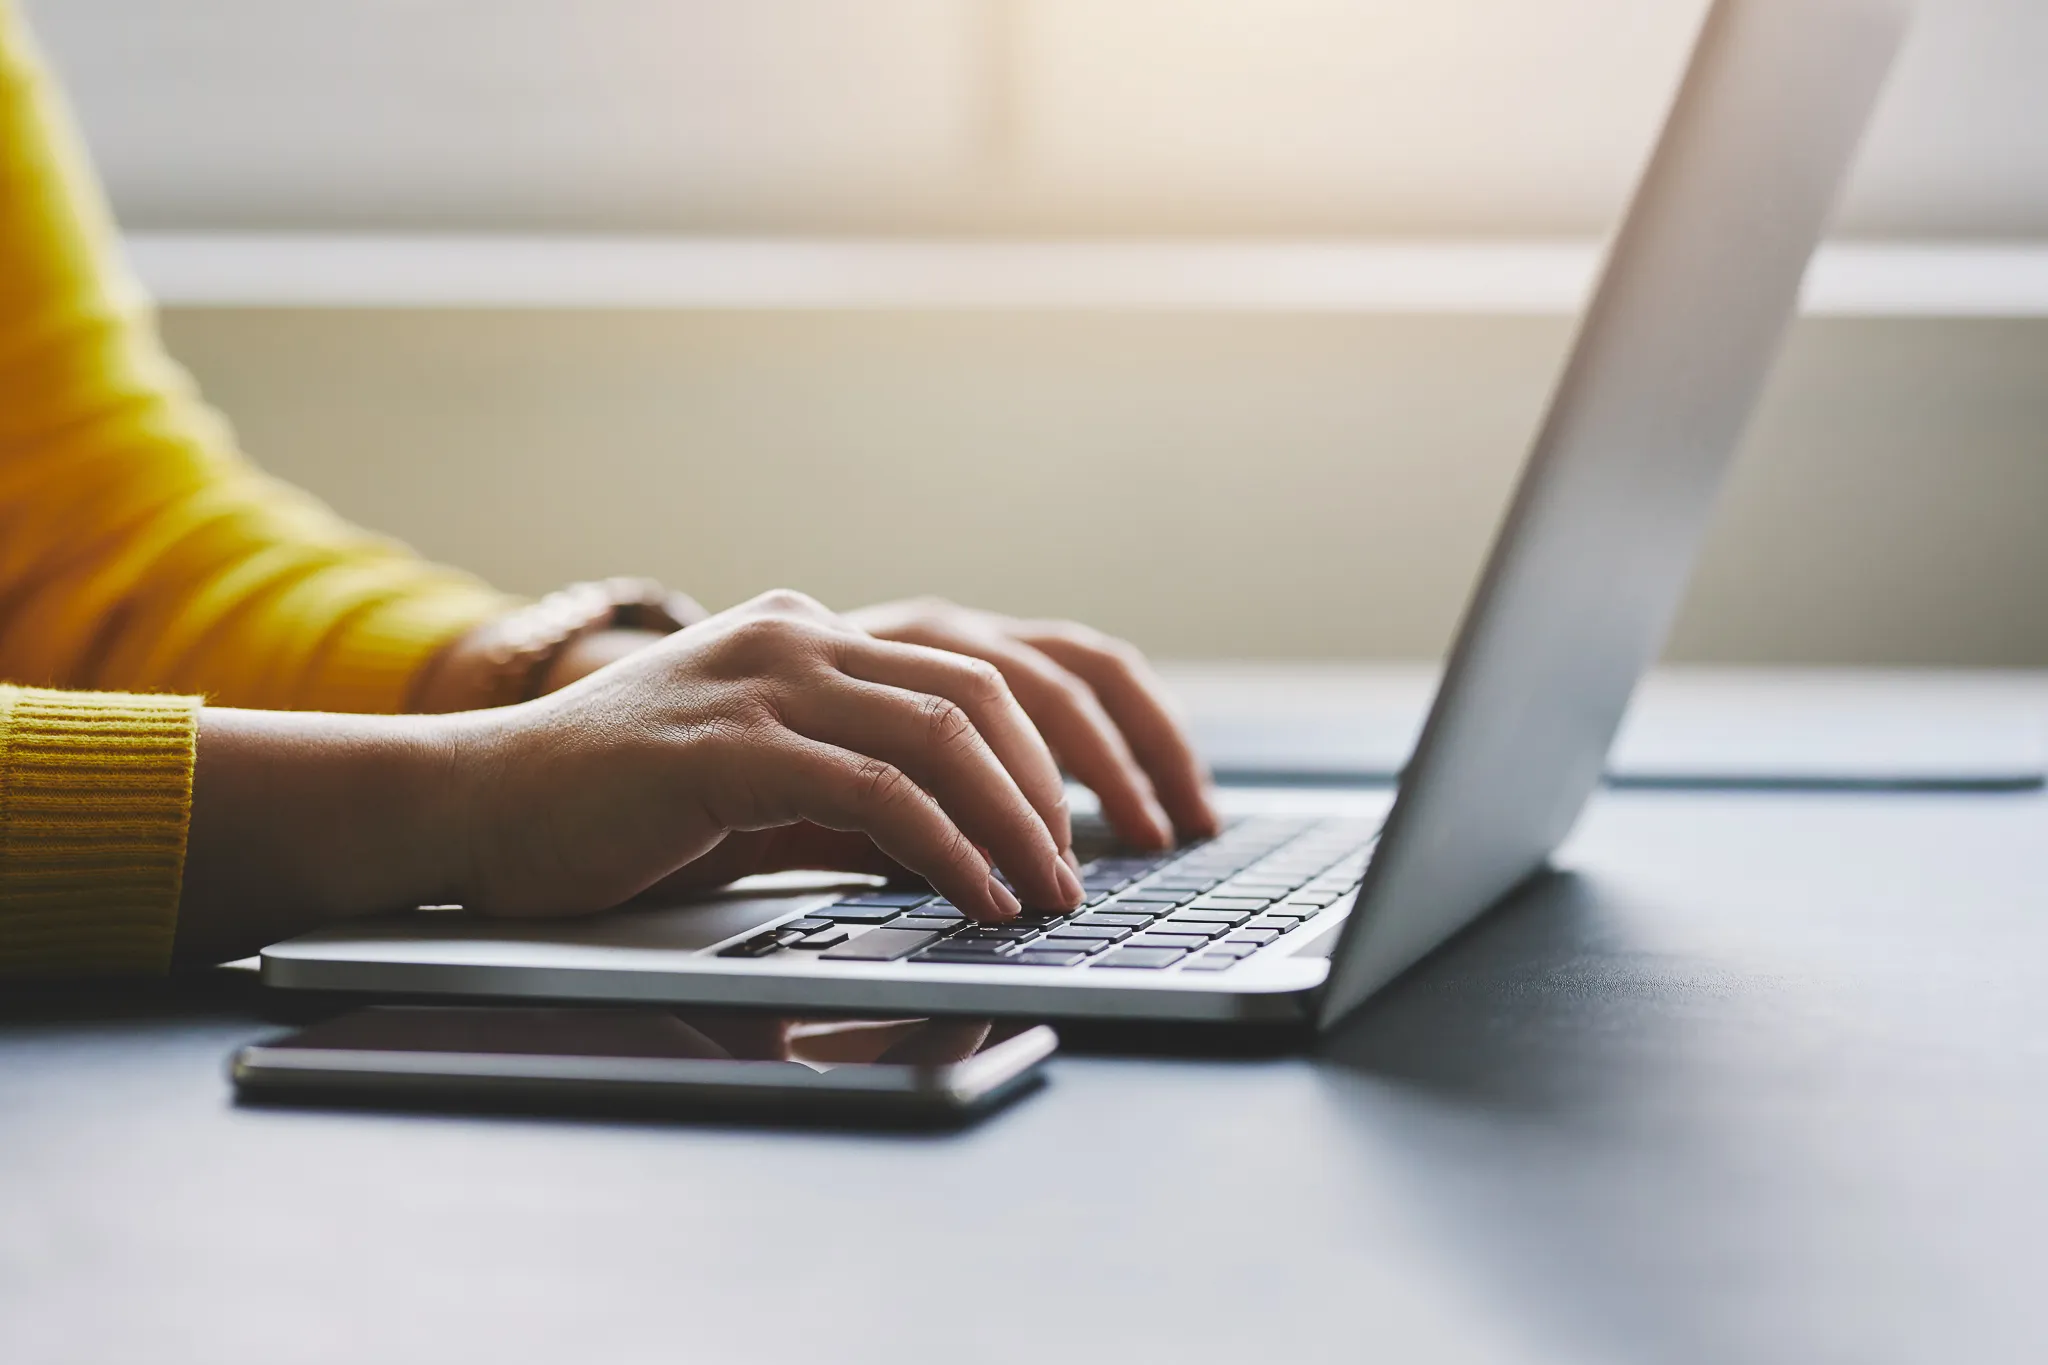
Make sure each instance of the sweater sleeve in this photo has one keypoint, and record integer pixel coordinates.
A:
(138, 550)
(95, 798)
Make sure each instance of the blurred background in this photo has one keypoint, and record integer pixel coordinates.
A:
(1220, 323)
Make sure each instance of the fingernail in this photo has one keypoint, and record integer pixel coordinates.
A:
(1070, 884)
(1007, 905)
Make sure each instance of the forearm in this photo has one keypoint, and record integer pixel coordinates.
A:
(302, 819)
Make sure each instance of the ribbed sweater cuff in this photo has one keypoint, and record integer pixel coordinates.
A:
(95, 801)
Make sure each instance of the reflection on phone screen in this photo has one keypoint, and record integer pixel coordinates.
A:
(820, 1044)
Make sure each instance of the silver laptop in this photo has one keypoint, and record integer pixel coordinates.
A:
(1292, 915)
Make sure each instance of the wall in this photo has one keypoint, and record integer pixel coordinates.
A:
(1426, 117)
(1253, 484)
(1260, 484)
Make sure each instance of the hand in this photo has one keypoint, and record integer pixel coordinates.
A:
(776, 719)
(1094, 698)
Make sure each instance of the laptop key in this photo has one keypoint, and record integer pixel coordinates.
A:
(901, 900)
(1182, 942)
(807, 925)
(1191, 929)
(829, 937)
(962, 954)
(1107, 933)
(1209, 963)
(882, 945)
(921, 921)
(1108, 921)
(1245, 903)
(1256, 937)
(859, 914)
(961, 943)
(1062, 943)
(1149, 901)
(1043, 957)
(1151, 958)
(1208, 914)
(760, 945)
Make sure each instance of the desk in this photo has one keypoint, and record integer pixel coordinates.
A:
(1764, 1079)
(1755, 727)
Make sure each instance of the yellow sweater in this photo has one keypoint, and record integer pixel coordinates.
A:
(140, 554)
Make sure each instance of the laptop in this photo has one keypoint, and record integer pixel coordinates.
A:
(1293, 915)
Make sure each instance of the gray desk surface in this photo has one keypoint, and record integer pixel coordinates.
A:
(1765, 1079)
(1813, 727)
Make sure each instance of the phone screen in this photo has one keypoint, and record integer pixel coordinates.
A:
(655, 1033)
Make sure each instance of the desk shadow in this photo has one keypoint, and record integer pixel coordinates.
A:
(1545, 1004)
(1533, 1091)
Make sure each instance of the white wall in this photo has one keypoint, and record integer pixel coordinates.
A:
(1260, 485)
(1296, 117)
(1209, 484)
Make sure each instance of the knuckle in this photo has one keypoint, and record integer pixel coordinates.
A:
(755, 719)
(983, 682)
(735, 729)
(959, 850)
(881, 786)
(1080, 698)
(947, 723)
(1124, 652)
(788, 602)
(764, 642)
(1121, 653)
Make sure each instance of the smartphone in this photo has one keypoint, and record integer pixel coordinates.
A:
(649, 1060)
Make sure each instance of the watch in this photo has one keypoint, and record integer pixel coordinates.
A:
(520, 647)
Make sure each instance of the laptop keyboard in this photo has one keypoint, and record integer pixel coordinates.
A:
(1202, 907)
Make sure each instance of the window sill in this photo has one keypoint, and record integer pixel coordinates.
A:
(307, 270)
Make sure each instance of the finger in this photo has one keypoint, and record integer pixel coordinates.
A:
(937, 1042)
(1067, 713)
(1072, 719)
(980, 688)
(934, 740)
(1136, 700)
(795, 778)
(752, 1037)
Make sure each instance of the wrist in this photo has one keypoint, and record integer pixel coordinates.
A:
(392, 791)
(299, 819)
(475, 767)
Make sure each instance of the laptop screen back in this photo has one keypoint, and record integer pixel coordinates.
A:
(1701, 284)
